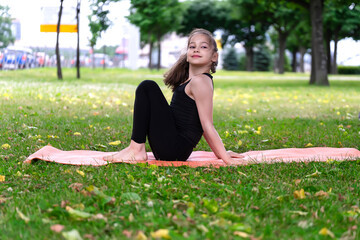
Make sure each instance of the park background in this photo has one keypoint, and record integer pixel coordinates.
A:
(115, 41)
(253, 110)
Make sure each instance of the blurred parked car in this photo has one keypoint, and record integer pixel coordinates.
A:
(85, 61)
(1, 59)
(101, 60)
(40, 59)
(16, 57)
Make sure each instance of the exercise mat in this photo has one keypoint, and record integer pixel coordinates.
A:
(202, 158)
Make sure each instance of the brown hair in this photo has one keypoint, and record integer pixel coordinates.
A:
(179, 73)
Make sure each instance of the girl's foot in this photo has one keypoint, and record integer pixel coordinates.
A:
(132, 154)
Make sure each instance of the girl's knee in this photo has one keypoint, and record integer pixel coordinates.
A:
(146, 84)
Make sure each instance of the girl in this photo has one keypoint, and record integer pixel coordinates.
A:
(173, 131)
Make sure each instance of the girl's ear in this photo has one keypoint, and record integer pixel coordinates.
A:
(215, 57)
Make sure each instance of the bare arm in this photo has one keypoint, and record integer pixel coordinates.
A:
(201, 90)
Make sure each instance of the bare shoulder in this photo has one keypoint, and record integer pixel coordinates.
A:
(201, 81)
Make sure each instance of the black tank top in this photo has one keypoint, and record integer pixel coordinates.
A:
(186, 114)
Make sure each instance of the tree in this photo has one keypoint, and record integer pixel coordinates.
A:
(6, 36)
(284, 17)
(210, 15)
(57, 50)
(318, 57)
(246, 25)
(98, 21)
(78, 40)
(340, 21)
(299, 41)
(155, 18)
(230, 60)
(262, 59)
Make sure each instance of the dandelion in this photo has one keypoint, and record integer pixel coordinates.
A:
(77, 134)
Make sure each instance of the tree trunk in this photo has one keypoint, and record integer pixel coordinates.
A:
(249, 58)
(57, 51)
(92, 58)
(150, 54)
(78, 41)
(302, 54)
(293, 61)
(334, 64)
(159, 53)
(282, 47)
(328, 52)
(318, 58)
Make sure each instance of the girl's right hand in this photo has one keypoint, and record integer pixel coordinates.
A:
(234, 154)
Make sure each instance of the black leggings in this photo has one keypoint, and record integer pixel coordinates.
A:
(153, 118)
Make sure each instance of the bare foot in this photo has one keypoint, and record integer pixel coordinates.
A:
(132, 154)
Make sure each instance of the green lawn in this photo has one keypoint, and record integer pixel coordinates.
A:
(252, 111)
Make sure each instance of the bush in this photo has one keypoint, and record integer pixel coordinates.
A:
(349, 69)
(230, 60)
(262, 59)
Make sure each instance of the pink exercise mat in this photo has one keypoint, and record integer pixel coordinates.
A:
(201, 158)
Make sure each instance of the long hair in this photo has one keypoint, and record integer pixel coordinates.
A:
(179, 72)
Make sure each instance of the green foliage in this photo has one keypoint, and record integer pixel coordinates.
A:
(349, 69)
(230, 60)
(98, 20)
(210, 15)
(341, 20)
(6, 36)
(155, 18)
(262, 59)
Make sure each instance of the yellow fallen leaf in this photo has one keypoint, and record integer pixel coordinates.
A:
(140, 236)
(81, 173)
(22, 216)
(241, 234)
(299, 194)
(315, 174)
(301, 213)
(326, 232)
(77, 134)
(2, 178)
(5, 146)
(115, 143)
(239, 143)
(321, 194)
(72, 235)
(161, 233)
(309, 145)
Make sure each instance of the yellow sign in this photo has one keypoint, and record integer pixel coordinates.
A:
(50, 18)
(218, 44)
(70, 28)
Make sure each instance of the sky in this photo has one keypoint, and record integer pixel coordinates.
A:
(30, 13)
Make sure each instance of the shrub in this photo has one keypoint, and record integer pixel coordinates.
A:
(349, 69)
(230, 60)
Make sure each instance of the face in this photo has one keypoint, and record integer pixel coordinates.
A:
(200, 51)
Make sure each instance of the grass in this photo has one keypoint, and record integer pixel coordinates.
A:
(252, 111)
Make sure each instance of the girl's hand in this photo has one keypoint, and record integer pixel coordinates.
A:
(234, 159)
(234, 154)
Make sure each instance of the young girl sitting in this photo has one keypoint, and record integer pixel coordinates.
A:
(174, 130)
